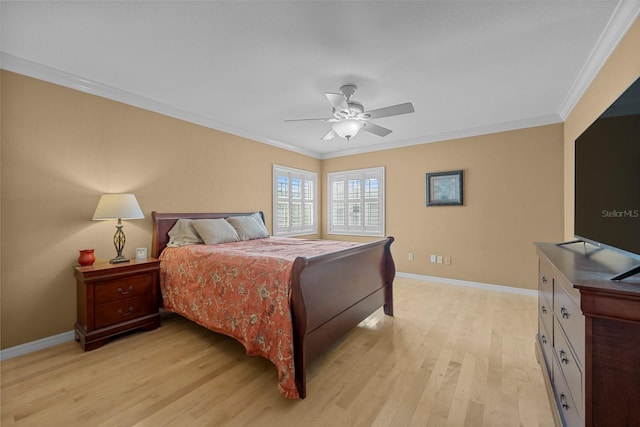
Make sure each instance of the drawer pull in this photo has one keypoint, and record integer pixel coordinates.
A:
(125, 313)
(563, 402)
(544, 309)
(544, 279)
(121, 292)
(564, 312)
(563, 357)
(543, 339)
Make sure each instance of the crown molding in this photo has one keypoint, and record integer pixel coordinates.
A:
(622, 19)
(42, 72)
(457, 134)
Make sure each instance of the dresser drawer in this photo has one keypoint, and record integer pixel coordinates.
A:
(567, 407)
(121, 311)
(545, 281)
(546, 343)
(570, 318)
(128, 287)
(571, 370)
(545, 314)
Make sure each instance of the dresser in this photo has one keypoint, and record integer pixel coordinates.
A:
(588, 341)
(116, 298)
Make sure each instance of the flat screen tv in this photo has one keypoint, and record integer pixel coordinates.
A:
(607, 179)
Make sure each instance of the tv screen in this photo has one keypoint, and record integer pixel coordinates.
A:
(607, 177)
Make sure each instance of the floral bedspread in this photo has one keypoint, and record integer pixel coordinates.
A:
(242, 289)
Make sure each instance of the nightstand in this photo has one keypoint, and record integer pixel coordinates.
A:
(116, 298)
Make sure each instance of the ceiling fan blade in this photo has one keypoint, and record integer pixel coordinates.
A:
(329, 135)
(375, 129)
(393, 110)
(338, 101)
(305, 120)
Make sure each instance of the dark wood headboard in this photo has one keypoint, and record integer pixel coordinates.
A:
(163, 222)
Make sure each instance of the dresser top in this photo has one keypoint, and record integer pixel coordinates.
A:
(591, 267)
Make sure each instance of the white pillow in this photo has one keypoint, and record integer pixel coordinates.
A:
(182, 233)
(258, 218)
(248, 228)
(215, 231)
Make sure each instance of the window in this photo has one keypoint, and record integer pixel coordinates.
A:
(294, 202)
(356, 202)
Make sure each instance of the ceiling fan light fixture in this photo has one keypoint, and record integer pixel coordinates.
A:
(348, 116)
(347, 128)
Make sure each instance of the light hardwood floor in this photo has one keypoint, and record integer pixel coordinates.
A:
(451, 356)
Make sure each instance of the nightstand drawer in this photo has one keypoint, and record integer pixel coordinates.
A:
(123, 288)
(121, 311)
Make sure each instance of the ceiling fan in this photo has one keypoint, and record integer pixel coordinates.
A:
(349, 116)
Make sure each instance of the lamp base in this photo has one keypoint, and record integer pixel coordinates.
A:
(118, 260)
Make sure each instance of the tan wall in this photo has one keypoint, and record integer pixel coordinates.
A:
(62, 148)
(620, 71)
(512, 197)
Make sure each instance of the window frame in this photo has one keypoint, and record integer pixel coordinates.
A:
(362, 175)
(290, 173)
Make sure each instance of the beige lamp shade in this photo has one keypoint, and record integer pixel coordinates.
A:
(118, 206)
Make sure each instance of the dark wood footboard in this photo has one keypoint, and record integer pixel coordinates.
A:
(334, 292)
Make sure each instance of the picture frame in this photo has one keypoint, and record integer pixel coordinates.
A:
(141, 253)
(445, 188)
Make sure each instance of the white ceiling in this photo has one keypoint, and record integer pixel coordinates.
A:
(468, 67)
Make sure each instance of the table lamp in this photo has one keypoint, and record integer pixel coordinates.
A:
(118, 206)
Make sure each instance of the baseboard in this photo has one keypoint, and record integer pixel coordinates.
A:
(468, 284)
(32, 346)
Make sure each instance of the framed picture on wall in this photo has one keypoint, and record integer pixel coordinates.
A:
(445, 188)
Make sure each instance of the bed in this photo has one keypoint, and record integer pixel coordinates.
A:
(327, 294)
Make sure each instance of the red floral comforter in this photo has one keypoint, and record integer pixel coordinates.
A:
(242, 289)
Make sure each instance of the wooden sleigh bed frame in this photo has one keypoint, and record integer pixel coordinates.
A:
(330, 293)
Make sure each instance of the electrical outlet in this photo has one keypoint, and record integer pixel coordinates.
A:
(410, 256)
(433, 258)
(447, 260)
(439, 259)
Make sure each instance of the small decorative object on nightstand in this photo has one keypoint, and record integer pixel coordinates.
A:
(141, 253)
(116, 298)
(87, 257)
